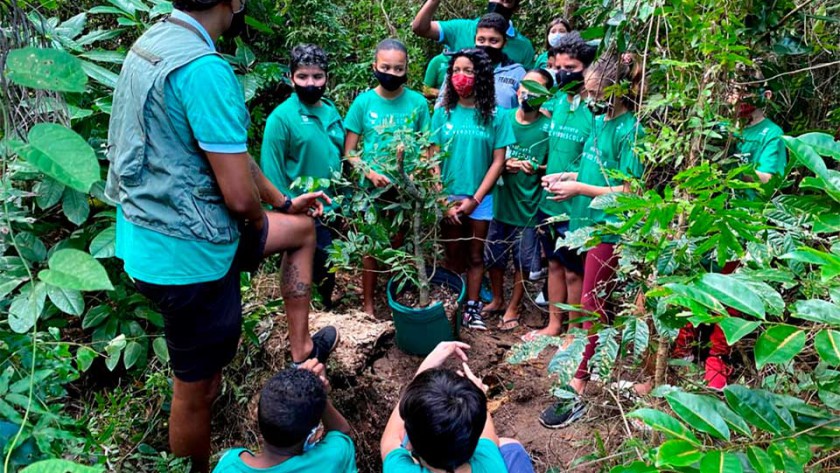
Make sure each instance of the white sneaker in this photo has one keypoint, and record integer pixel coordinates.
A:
(540, 300)
(537, 275)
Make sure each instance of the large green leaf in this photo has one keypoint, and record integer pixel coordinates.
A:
(733, 293)
(817, 310)
(778, 344)
(735, 328)
(678, 453)
(637, 333)
(756, 408)
(46, 69)
(60, 466)
(606, 352)
(823, 143)
(160, 349)
(808, 155)
(103, 245)
(100, 74)
(720, 462)
(133, 350)
(75, 206)
(49, 192)
(662, 422)
(68, 301)
(827, 343)
(62, 154)
(27, 307)
(759, 460)
(698, 412)
(74, 269)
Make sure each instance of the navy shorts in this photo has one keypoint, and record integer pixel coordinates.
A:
(505, 240)
(203, 321)
(516, 458)
(550, 232)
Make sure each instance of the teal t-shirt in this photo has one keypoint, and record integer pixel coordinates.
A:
(335, 453)
(517, 195)
(571, 125)
(302, 141)
(609, 147)
(541, 62)
(436, 71)
(206, 105)
(486, 459)
(460, 33)
(468, 145)
(761, 144)
(378, 121)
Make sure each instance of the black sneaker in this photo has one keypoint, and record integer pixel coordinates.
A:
(562, 414)
(472, 316)
(324, 342)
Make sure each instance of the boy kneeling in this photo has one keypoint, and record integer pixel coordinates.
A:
(292, 406)
(441, 424)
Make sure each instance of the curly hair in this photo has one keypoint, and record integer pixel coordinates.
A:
(575, 47)
(307, 55)
(485, 84)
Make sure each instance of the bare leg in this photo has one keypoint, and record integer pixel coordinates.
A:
(476, 258)
(369, 277)
(189, 420)
(512, 312)
(574, 289)
(556, 293)
(453, 248)
(294, 235)
(497, 283)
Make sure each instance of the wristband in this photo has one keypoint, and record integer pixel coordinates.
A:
(286, 205)
(474, 198)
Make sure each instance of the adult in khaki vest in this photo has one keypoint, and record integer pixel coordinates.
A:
(189, 208)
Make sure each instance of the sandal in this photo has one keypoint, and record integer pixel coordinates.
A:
(531, 336)
(505, 325)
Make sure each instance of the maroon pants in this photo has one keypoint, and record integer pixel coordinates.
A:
(598, 284)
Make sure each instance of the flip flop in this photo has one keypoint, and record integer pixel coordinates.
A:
(531, 336)
(505, 325)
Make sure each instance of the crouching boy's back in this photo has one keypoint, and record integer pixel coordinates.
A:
(302, 432)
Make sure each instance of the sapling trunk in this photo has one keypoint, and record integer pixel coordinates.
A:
(416, 230)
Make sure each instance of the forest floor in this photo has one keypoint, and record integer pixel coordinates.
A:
(368, 371)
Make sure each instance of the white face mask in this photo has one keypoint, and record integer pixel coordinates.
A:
(554, 38)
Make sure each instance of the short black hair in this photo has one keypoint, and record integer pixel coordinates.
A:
(391, 44)
(444, 416)
(291, 405)
(494, 21)
(307, 55)
(573, 45)
(549, 80)
(195, 5)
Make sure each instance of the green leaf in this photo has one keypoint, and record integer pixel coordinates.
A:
(760, 460)
(68, 301)
(662, 422)
(636, 332)
(606, 352)
(778, 344)
(45, 69)
(565, 362)
(62, 154)
(807, 155)
(735, 328)
(74, 269)
(817, 310)
(60, 466)
(678, 453)
(698, 412)
(720, 462)
(756, 408)
(733, 420)
(827, 343)
(103, 245)
(49, 192)
(100, 74)
(823, 144)
(96, 316)
(27, 307)
(733, 293)
(114, 349)
(31, 247)
(160, 349)
(75, 206)
(132, 353)
(84, 358)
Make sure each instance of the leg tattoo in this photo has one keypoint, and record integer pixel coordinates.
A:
(292, 285)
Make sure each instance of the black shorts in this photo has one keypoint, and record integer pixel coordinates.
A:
(570, 259)
(203, 321)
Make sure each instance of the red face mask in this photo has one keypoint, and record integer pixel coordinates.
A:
(463, 84)
(745, 109)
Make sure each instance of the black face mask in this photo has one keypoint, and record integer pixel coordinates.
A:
(565, 78)
(525, 106)
(495, 54)
(389, 82)
(310, 94)
(237, 25)
(494, 7)
(598, 108)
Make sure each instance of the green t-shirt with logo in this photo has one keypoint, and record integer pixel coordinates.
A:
(468, 145)
(436, 71)
(517, 195)
(302, 141)
(460, 33)
(761, 144)
(571, 125)
(609, 147)
(378, 121)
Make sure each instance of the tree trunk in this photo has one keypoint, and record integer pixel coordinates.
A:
(419, 260)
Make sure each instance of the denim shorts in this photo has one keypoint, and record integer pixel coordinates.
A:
(484, 211)
(516, 458)
(504, 240)
(569, 258)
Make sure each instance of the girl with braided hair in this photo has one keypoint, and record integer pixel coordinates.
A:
(473, 136)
